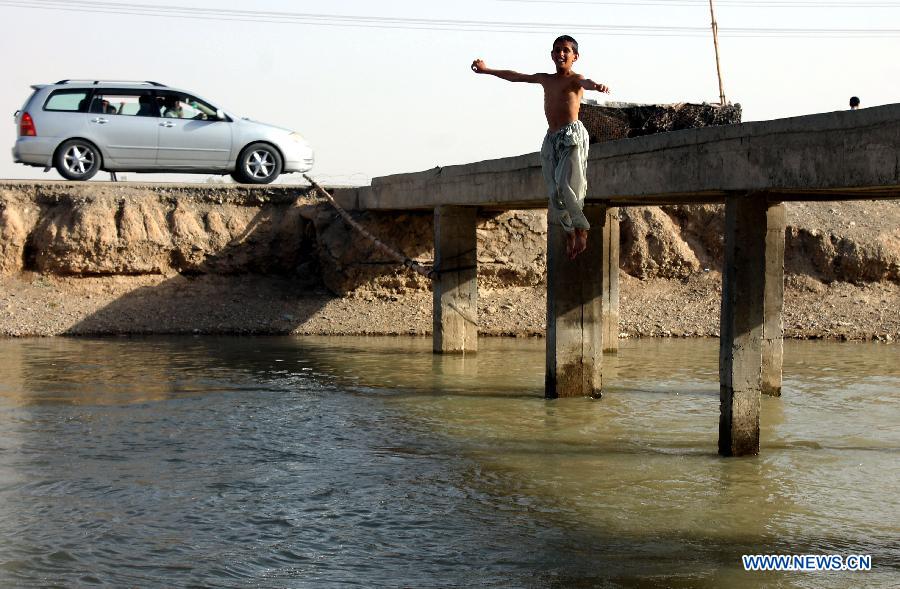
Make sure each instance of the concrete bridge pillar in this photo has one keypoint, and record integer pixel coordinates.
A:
(773, 311)
(610, 284)
(752, 288)
(574, 311)
(455, 311)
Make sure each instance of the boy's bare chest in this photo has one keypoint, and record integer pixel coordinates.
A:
(563, 90)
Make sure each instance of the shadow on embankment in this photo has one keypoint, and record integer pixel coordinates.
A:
(240, 304)
(273, 277)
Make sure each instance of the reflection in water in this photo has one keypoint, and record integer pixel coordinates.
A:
(307, 462)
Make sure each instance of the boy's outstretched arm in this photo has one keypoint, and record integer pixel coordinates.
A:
(479, 67)
(592, 85)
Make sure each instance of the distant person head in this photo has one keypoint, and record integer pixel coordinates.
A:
(564, 53)
(148, 107)
(173, 107)
(854, 103)
(567, 39)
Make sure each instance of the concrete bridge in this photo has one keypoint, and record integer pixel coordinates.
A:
(752, 168)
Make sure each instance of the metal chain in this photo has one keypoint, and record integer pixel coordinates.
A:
(399, 257)
(406, 261)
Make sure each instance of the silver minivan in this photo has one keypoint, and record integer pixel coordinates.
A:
(81, 127)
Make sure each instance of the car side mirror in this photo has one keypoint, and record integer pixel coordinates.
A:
(220, 115)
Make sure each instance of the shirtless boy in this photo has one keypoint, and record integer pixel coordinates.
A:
(565, 148)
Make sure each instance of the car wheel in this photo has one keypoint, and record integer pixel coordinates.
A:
(259, 163)
(77, 159)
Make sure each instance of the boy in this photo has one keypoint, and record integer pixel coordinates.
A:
(565, 148)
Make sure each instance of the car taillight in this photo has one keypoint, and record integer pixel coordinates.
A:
(26, 126)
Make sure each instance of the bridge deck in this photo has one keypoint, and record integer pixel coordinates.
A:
(830, 156)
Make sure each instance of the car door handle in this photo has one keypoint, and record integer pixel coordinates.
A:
(99, 120)
(167, 124)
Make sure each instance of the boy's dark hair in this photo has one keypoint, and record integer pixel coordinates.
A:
(854, 101)
(563, 38)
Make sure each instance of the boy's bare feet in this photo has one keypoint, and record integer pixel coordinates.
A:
(579, 242)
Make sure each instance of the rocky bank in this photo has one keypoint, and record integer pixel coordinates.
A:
(118, 258)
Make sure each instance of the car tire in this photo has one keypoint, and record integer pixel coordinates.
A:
(259, 163)
(77, 159)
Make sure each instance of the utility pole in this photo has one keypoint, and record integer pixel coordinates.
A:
(715, 32)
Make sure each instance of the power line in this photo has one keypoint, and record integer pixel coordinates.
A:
(817, 4)
(381, 22)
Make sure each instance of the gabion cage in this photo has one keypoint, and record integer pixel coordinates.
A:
(620, 121)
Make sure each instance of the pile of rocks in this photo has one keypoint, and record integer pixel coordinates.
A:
(611, 121)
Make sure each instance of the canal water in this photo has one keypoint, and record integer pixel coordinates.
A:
(369, 462)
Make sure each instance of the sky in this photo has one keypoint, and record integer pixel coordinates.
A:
(385, 87)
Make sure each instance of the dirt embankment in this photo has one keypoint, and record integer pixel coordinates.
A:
(123, 258)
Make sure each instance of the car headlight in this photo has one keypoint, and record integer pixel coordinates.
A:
(297, 137)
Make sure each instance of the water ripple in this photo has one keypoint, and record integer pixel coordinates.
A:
(290, 462)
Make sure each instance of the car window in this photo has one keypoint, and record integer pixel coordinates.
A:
(178, 105)
(68, 101)
(134, 103)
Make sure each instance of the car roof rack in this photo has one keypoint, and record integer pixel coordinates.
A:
(95, 82)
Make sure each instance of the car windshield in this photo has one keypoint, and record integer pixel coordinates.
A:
(215, 106)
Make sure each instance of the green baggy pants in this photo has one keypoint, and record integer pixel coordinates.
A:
(564, 164)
